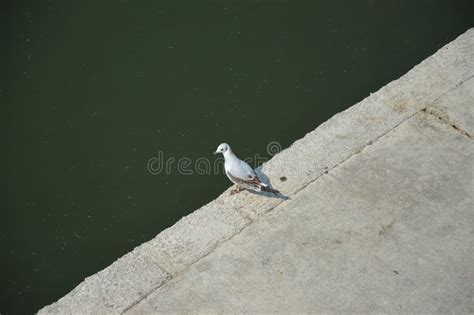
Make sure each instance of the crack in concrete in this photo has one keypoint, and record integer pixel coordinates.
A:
(370, 142)
(356, 152)
(444, 118)
(171, 276)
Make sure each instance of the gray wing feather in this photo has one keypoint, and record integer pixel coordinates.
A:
(242, 170)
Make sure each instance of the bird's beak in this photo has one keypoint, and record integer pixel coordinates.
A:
(215, 153)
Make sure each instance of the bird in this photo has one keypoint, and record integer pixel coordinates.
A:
(240, 173)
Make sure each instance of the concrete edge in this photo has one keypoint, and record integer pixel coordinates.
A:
(150, 265)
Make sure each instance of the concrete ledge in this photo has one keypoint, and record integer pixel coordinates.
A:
(431, 85)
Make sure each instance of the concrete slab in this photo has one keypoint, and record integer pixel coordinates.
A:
(174, 250)
(389, 230)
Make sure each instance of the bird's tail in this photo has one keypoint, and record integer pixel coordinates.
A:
(266, 188)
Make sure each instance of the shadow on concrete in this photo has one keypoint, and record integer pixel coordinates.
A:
(264, 178)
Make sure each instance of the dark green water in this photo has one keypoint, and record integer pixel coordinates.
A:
(91, 90)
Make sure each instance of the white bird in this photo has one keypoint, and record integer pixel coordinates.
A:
(241, 173)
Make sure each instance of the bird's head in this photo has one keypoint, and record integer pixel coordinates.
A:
(222, 148)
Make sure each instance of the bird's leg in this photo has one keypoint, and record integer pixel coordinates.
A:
(236, 190)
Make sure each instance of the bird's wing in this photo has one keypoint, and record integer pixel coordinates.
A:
(241, 173)
(252, 182)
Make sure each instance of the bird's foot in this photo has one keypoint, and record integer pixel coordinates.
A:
(236, 190)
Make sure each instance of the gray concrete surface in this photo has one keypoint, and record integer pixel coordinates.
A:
(380, 219)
